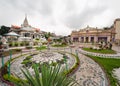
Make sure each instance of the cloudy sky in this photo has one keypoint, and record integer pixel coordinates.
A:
(60, 16)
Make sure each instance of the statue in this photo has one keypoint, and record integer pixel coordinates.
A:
(110, 46)
(4, 40)
(3, 43)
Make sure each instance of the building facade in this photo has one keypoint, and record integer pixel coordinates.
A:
(117, 31)
(91, 34)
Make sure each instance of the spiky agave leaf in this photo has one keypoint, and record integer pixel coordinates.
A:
(50, 76)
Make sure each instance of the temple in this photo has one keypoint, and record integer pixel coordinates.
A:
(26, 31)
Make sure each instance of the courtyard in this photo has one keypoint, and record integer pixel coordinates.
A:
(90, 71)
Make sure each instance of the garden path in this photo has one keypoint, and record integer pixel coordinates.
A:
(90, 73)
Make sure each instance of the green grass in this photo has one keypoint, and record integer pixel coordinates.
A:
(14, 51)
(41, 48)
(104, 51)
(108, 65)
(59, 45)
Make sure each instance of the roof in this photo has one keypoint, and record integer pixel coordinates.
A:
(11, 34)
(15, 27)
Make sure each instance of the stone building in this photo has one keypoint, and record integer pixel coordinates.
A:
(117, 30)
(91, 34)
(26, 31)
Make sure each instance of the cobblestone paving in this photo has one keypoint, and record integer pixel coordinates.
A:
(90, 73)
(16, 65)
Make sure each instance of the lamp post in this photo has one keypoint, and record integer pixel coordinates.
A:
(1, 55)
(76, 53)
(2, 41)
(64, 56)
(9, 72)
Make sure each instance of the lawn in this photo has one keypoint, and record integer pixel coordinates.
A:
(41, 48)
(108, 65)
(59, 45)
(104, 51)
(14, 51)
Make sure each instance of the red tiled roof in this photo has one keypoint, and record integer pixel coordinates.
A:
(15, 27)
(37, 29)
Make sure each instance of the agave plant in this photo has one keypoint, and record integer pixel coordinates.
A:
(49, 76)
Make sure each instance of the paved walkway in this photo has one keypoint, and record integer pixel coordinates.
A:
(88, 74)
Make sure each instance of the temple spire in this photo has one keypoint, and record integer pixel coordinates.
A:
(25, 22)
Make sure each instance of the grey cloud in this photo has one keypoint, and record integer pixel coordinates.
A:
(77, 20)
(67, 13)
(31, 6)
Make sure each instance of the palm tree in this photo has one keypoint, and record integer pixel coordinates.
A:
(50, 76)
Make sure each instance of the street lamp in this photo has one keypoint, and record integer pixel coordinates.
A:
(76, 52)
(65, 60)
(1, 56)
(10, 51)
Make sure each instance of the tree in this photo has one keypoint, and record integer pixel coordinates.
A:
(49, 77)
(47, 35)
(4, 30)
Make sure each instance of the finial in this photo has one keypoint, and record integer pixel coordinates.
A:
(25, 15)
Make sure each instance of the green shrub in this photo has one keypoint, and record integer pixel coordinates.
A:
(41, 48)
(17, 50)
(37, 39)
(64, 43)
(59, 45)
(35, 43)
(21, 44)
(91, 48)
(51, 76)
(12, 78)
(28, 47)
(28, 58)
(53, 64)
(16, 44)
(10, 44)
(26, 43)
(26, 61)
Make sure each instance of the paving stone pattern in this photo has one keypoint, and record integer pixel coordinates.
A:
(90, 73)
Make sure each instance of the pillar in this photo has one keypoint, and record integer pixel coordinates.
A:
(95, 39)
(84, 39)
(89, 39)
(108, 39)
(80, 39)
